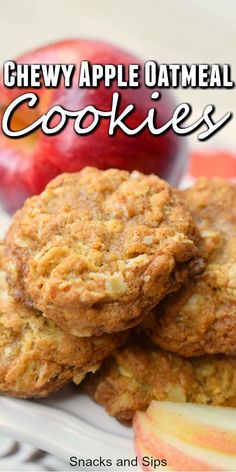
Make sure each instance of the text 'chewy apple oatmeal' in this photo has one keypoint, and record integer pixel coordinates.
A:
(98, 248)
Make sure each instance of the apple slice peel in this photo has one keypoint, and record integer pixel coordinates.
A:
(192, 439)
(189, 428)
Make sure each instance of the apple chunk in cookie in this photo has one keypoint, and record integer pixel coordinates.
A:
(36, 356)
(97, 248)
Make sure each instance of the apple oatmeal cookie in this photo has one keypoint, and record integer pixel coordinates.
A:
(201, 317)
(138, 374)
(97, 249)
(36, 356)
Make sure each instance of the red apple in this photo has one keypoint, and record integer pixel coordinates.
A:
(27, 164)
(213, 163)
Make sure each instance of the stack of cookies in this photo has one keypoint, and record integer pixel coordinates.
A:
(120, 266)
(188, 342)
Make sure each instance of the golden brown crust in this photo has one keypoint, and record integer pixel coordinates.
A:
(36, 356)
(201, 317)
(98, 248)
(139, 374)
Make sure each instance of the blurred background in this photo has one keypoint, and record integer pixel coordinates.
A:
(169, 31)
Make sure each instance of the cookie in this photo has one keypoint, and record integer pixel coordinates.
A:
(36, 356)
(201, 317)
(138, 374)
(97, 249)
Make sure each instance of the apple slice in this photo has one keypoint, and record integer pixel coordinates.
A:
(189, 437)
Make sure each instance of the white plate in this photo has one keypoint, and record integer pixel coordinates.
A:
(67, 423)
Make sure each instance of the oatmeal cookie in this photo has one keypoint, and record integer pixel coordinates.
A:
(138, 374)
(201, 317)
(36, 356)
(97, 249)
